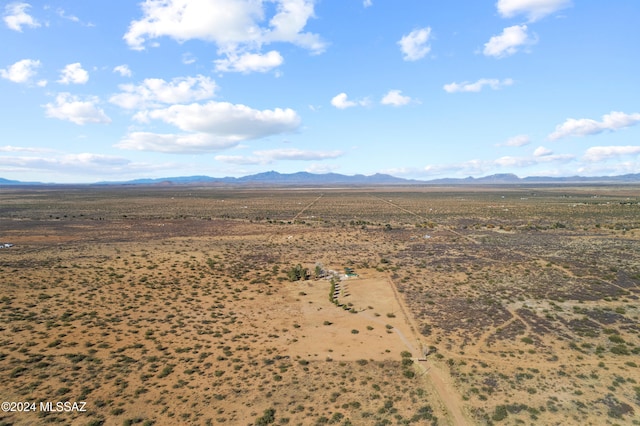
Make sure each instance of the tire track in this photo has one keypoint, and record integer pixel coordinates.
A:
(456, 233)
(306, 207)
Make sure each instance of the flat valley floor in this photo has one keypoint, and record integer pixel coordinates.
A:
(468, 305)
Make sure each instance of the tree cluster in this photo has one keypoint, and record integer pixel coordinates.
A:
(298, 273)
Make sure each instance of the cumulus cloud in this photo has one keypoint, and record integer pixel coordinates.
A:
(341, 101)
(585, 126)
(395, 98)
(16, 16)
(123, 70)
(73, 73)
(154, 92)
(415, 45)
(477, 86)
(289, 22)
(532, 9)
(269, 156)
(250, 62)
(225, 118)
(209, 127)
(71, 108)
(221, 21)
(20, 72)
(509, 42)
(238, 28)
(601, 153)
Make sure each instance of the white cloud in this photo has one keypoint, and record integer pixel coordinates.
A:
(394, 97)
(541, 151)
(471, 167)
(71, 108)
(321, 168)
(287, 25)
(533, 9)
(9, 148)
(123, 70)
(225, 22)
(237, 27)
(249, 62)
(78, 161)
(188, 58)
(600, 153)
(61, 13)
(71, 164)
(73, 73)
(176, 143)
(508, 43)
(477, 86)
(225, 118)
(544, 157)
(415, 45)
(341, 101)
(16, 16)
(153, 92)
(483, 167)
(210, 127)
(94, 159)
(516, 141)
(21, 71)
(585, 126)
(269, 156)
(610, 169)
(241, 160)
(367, 3)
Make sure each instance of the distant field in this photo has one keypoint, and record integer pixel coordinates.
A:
(173, 305)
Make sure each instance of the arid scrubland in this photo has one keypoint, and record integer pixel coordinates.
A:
(172, 305)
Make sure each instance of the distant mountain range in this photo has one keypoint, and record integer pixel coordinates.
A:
(303, 178)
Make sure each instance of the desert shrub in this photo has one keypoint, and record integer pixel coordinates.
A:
(615, 338)
(500, 413)
(409, 374)
(165, 371)
(425, 413)
(268, 417)
(620, 350)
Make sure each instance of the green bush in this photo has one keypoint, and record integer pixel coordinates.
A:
(500, 413)
(268, 417)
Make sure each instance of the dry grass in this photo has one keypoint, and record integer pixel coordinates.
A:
(172, 306)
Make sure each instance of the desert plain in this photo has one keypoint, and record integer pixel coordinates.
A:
(170, 305)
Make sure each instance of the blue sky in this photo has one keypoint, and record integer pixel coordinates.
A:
(120, 90)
